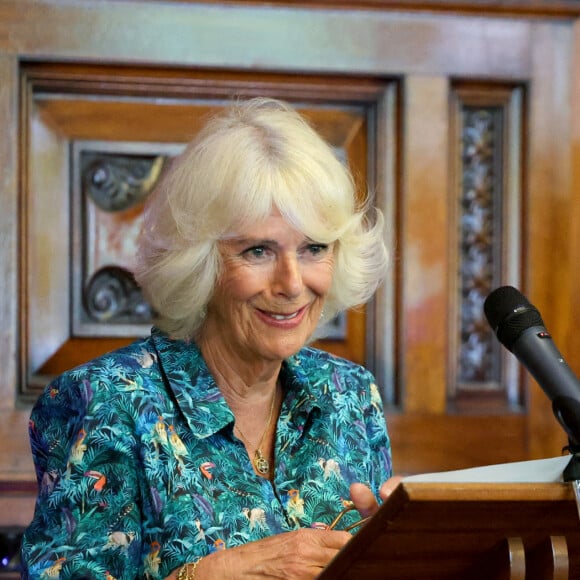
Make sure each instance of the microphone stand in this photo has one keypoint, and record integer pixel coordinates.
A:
(567, 411)
(572, 474)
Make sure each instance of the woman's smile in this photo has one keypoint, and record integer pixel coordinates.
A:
(283, 320)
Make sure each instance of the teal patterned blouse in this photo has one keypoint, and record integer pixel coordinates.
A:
(139, 470)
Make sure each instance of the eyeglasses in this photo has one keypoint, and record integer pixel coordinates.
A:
(349, 507)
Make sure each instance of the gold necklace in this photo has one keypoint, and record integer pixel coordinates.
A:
(260, 463)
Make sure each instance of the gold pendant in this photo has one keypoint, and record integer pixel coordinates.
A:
(261, 463)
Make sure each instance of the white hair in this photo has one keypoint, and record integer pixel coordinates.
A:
(257, 155)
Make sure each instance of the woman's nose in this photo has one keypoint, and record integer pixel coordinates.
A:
(288, 277)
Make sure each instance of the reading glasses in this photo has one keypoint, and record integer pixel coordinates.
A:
(349, 507)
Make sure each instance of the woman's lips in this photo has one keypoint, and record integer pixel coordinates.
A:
(283, 319)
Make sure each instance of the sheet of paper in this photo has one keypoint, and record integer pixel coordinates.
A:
(536, 471)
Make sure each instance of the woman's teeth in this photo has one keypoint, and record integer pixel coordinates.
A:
(284, 316)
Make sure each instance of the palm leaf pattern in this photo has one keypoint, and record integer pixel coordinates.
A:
(139, 470)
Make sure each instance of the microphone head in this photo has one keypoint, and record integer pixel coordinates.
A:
(509, 314)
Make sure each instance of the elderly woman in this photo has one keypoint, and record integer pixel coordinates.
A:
(221, 446)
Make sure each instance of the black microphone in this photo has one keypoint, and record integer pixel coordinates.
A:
(520, 328)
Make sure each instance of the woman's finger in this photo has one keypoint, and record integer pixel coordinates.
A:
(389, 486)
(363, 499)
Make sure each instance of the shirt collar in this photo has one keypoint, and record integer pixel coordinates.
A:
(203, 404)
(197, 394)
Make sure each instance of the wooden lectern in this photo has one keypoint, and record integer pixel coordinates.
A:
(467, 531)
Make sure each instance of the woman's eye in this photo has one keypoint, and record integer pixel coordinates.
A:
(317, 249)
(255, 252)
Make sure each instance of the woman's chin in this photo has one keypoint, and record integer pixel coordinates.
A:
(283, 349)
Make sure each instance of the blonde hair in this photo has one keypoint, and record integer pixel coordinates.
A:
(258, 155)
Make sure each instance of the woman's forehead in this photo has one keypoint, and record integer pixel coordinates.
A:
(270, 227)
(308, 225)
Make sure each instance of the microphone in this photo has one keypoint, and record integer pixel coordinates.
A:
(520, 328)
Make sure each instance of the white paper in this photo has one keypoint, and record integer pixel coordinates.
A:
(536, 471)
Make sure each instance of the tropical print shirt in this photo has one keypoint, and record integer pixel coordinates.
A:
(139, 470)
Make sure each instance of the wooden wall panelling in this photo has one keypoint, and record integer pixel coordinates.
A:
(355, 42)
(571, 344)
(382, 314)
(8, 229)
(533, 8)
(488, 123)
(44, 239)
(424, 254)
(58, 117)
(428, 442)
(548, 212)
(15, 502)
(443, 421)
(14, 449)
(266, 38)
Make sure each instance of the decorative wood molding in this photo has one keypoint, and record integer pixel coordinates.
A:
(102, 170)
(267, 38)
(111, 181)
(487, 144)
(533, 8)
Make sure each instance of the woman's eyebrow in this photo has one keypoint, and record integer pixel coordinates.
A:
(249, 241)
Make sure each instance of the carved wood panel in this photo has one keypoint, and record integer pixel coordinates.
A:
(101, 178)
(488, 139)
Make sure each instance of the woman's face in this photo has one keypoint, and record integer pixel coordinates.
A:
(269, 297)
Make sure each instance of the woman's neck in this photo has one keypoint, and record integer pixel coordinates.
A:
(254, 396)
(242, 382)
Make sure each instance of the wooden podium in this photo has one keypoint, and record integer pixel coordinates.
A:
(467, 531)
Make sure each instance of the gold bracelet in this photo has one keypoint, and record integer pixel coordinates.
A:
(187, 571)
(181, 575)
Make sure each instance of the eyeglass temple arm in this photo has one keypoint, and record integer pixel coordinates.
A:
(351, 526)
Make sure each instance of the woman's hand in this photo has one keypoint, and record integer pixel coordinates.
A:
(364, 499)
(298, 555)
